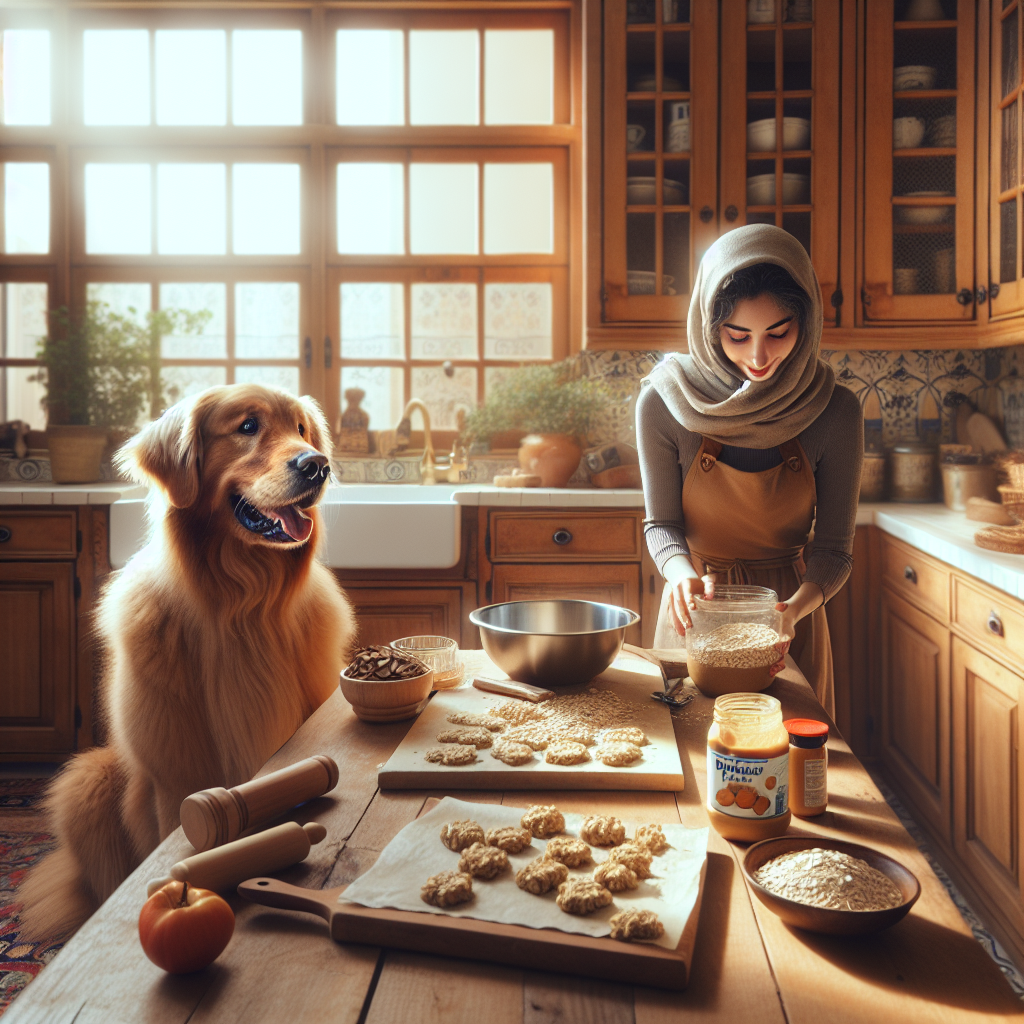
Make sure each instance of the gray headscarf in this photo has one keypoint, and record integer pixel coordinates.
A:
(707, 393)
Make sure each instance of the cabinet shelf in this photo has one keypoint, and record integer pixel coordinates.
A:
(654, 95)
(651, 208)
(924, 229)
(787, 94)
(919, 152)
(921, 26)
(786, 208)
(787, 154)
(925, 94)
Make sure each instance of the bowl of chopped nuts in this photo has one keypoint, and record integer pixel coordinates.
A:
(385, 685)
(830, 886)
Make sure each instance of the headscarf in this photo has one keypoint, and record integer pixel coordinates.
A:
(710, 395)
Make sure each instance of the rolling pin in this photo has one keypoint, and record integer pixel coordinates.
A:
(213, 817)
(262, 854)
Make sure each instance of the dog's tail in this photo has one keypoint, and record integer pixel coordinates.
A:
(94, 853)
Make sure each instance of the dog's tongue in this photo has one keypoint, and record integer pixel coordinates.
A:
(293, 522)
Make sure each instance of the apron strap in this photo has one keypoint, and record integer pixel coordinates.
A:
(792, 454)
(709, 452)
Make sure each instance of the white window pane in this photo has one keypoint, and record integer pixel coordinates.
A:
(24, 307)
(117, 208)
(284, 377)
(372, 320)
(204, 296)
(132, 300)
(26, 207)
(444, 395)
(371, 209)
(517, 320)
(185, 381)
(493, 376)
(444, 321)
(265, 209)
(116, 76)
(26, 76)
(519, 202)
(267, 320)
(266, 76)
(384, 386)
(444, 77)
(191, 209)
(519, 76)
(191, 76)
(370, 77)
(443, 208)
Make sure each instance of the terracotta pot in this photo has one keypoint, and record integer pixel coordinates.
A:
(552, 457)
(75, 453)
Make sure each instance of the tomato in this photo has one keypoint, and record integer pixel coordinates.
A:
(185, 929)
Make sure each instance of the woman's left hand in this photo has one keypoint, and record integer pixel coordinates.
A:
(803, 602)
(788, 630)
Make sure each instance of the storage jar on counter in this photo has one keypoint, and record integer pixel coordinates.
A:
(872, 476)
(960, 482)
(748, 768)
(913, 473)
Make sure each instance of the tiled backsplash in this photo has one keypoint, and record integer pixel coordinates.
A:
(906, 396)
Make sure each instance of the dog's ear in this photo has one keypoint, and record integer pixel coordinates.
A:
(167, 452)
(319, 431)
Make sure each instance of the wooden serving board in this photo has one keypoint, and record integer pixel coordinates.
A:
(630, 677)
(540, 949)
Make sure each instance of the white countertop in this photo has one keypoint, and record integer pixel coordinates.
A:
(14, 492)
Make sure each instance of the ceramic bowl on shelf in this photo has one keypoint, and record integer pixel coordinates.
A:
(942, 132)
(907, 132)
(924, 10)
(914, 76)
(796, 134)
(641, 282)
(796, 188)
(821, 919)
(924, 214)
(906, 280)
(760, 12)
(634, 137)
(648, 83)
(643, 191)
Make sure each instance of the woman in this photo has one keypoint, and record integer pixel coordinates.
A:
(746, 443)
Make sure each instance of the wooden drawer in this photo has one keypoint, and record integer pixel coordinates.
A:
(920, 579)
(37, 534)
(989, 619)
(570, 537)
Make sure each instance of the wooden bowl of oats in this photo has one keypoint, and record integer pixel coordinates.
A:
(830, 886)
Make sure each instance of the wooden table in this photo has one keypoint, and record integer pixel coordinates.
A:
(749, 968)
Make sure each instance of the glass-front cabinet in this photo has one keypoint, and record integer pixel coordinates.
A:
(919, 161)
(660, 153)
(779, 125)
(1006, 164)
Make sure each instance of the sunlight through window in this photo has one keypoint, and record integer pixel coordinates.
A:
(266, 77)
(26, 207)
(265, 209)
(370, 77)
(370, 209)
(117, 209)
(191, 77)
(26, 76)
(115, 86)
(191, 209)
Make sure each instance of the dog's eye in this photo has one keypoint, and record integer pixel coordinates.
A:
(249, 426)
(302, 430)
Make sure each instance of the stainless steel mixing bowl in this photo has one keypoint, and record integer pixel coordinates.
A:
(553, 643)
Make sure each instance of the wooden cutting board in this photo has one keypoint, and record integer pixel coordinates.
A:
(631, 678)
(540, 949)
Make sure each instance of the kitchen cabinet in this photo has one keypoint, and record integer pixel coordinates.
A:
(915, 708)
(404, 608)
(989, 779)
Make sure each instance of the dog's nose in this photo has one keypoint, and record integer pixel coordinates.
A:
(312, 466)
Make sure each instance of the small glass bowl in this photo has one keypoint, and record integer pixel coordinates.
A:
(439, 653)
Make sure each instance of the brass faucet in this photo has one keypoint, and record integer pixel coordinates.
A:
(431, 472)
(428, 464)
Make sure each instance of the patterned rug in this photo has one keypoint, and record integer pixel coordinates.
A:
(22, 844)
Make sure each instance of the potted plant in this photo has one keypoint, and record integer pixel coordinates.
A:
(101, 371)
(554, 408)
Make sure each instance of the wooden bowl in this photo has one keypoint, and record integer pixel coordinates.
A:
(819, 919)
(375, 700)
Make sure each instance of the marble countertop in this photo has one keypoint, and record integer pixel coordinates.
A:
(15, 492)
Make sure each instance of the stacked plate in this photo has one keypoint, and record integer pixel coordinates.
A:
(796, 188)
(643, 192)
(924, 214)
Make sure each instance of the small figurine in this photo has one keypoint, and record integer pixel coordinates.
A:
(355, 422)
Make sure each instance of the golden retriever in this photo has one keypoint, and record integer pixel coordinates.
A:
(223, 635)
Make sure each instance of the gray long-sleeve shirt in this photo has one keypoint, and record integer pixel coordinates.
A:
(834, 443)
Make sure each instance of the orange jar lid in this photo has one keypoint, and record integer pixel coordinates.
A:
(806, 732)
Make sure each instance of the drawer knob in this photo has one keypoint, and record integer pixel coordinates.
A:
(910, 574)
(5, 534)
(994, 624)
(561, 537)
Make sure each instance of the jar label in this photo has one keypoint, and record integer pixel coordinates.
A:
(815, 792)
(748, 787)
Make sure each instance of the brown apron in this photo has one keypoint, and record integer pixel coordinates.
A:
(752, 528)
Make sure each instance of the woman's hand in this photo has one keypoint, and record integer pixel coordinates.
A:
(807, 598)
(685, 586)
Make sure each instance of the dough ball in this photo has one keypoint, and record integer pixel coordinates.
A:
(566, 752)
(626, 734)
(636, 926)
(458, 835)
(543, 820)
(475, 736)
(510, 839)
(514, 754)
(447, 889)
(602, 830)
(489, 722)
(651, 838)
(618, 755)
(541, 876)
(615, 877)
(634, 857)
(454, 756)
(482, 861)
(582, 896)
(571, 852)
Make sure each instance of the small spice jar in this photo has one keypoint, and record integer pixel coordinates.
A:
(914, 473)
(808, 766)
(748, 768)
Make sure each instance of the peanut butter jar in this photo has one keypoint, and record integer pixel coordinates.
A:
(808, 766)
(748, 768)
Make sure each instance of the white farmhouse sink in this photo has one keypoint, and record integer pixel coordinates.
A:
(368, 526)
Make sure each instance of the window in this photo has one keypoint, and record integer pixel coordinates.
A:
(358, 196)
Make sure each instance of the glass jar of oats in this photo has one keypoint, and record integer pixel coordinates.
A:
(734, 640)
(748, 768)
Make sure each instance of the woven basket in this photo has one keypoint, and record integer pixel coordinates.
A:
(1008, 539)
(1013, 501)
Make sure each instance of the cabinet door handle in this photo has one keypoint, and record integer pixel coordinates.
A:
(993, 289)
(561, 537)
(706, 214)
(731, 213)
(5, 534)
(965, 296)
(910, 574)
(994, 624)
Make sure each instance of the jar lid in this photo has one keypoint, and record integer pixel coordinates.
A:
(914, 449)
(806, 732)
(740, 596)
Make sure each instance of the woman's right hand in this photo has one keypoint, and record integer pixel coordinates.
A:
(685, 587)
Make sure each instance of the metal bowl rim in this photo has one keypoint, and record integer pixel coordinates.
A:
(635, 618)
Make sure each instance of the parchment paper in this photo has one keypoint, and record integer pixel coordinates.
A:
(417, 852)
